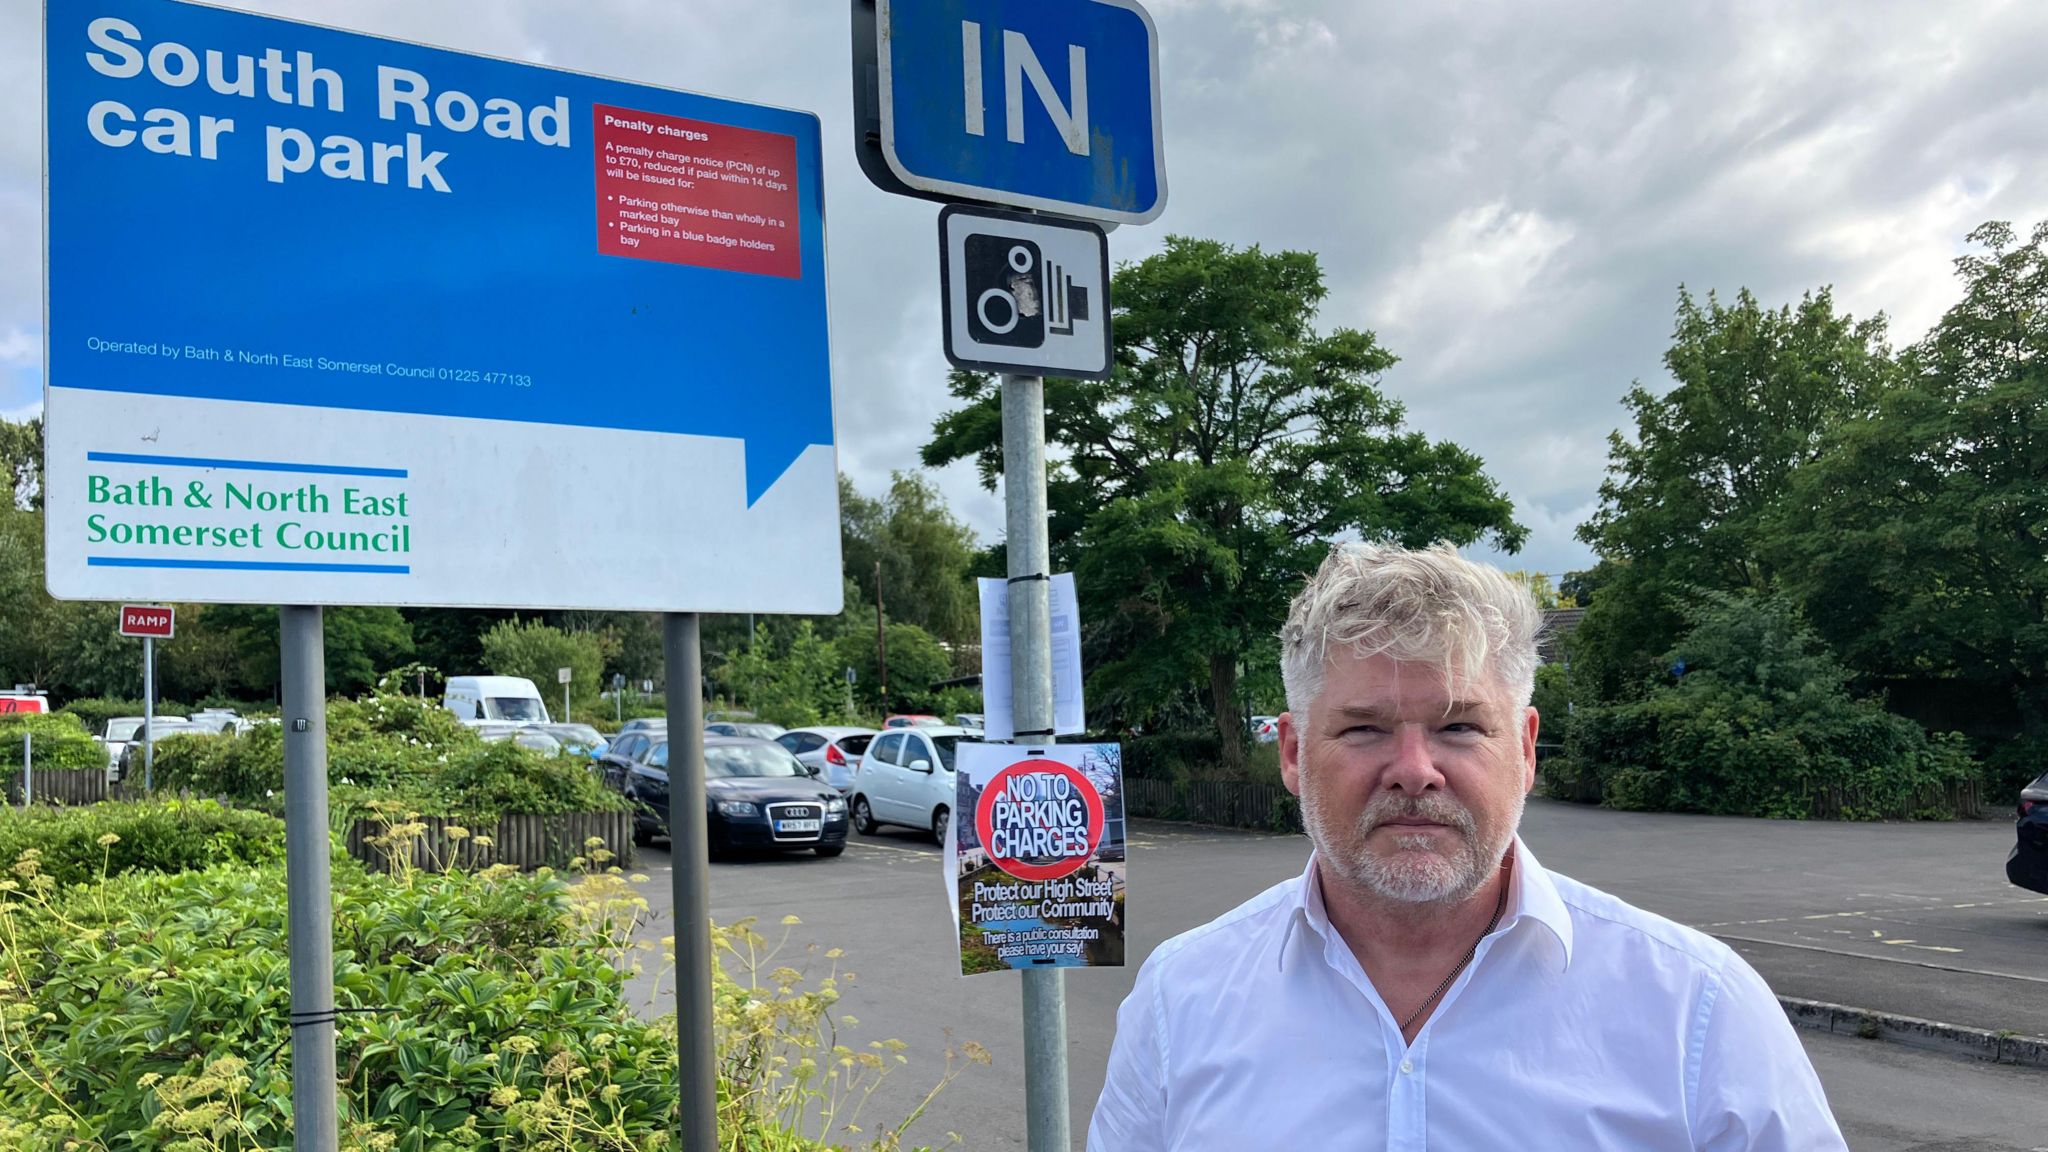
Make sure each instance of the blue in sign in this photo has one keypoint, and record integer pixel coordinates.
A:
(249, 209)
(1045, 104)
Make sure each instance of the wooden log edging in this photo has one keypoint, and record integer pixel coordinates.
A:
(61, 787)
(521, 841)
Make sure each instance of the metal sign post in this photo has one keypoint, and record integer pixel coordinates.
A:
(690, 857)
(1045, 989)
(564, 675)
(309, 907)
(149, 714)
(28, 769)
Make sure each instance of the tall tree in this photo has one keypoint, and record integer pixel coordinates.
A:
(925, 555)
(1919, 539)
(1686, 498)
(1200, 482)
(21, 462)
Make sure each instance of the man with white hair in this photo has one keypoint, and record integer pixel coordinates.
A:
(1425, 983)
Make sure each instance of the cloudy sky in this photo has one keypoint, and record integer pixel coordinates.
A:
(1508, 193)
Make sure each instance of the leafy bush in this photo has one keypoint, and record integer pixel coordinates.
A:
(95, 711)
(1172, 755)
(60, 742)
(71, 843)
(1761, 723)
(397, 748)
(154, 1009)
(536, 651)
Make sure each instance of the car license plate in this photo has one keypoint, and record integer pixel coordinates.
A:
(797, 825)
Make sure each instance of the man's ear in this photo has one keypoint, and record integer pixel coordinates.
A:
(1532, 722)
(1290, 753)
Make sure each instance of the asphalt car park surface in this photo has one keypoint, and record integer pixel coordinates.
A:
(1914, 919)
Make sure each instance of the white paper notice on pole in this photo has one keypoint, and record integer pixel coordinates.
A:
(1069, 710)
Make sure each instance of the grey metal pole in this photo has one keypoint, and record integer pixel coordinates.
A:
(148, 714)
(28, 769)
(303, 660)
(689, 855)
(1045, 989)
(565, 705)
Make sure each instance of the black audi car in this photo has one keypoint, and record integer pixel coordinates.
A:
(2028, 864)
(756, 796)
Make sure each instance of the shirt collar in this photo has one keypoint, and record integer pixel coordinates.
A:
(1532, 896)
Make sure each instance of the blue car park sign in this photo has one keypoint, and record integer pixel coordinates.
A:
(1050, 105)
(336, 319)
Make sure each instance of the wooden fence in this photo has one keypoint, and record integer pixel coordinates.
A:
(524, 842)
(1229, 803)
(67, 787)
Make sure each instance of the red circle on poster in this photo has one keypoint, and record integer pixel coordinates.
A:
(1039, 819)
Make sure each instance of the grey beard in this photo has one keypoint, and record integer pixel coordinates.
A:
(1421, 877)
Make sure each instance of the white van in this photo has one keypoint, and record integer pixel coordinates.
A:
(505, 699)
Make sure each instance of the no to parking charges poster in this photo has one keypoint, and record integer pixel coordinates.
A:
(1036, 856)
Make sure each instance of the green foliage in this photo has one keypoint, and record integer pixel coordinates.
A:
(1762, 723)
(916, 662)
(924, 552)
(95, 711)
(1919, 540)
(151, 1008)
(536, 651)
(1197, 485)
(21, 463)
(71, 844)
(397, 748)
(800, 684)
(1688, 495)
(61, 742)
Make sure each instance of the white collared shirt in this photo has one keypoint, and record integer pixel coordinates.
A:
(1582, 1023)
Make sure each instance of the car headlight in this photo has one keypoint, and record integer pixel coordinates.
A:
(737, 808)
(835, 807)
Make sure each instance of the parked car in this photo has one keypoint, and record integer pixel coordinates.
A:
(756, 795)
(913, 720)
(2028, 864)
(832, 751)
(525, 735)
(1265, 729)
(221, 720)
(748, 729)
(580, 739)
(906, 777)
(645, 724)
(11, 702)
(162, 728)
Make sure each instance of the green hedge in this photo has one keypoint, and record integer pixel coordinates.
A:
(159, 1002)
(391, 747)
(95, 711)
(149, 837)
(60, 742)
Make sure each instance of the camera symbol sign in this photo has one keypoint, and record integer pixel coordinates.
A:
(1023, 293)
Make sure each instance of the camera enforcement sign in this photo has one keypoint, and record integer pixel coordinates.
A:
(1024, 293)
(335, 319)
(1037, 857)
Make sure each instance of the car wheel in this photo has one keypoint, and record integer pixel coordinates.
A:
(940, 819)
(863, 817)
(830, 850)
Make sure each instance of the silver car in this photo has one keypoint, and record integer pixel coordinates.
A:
(830, 752)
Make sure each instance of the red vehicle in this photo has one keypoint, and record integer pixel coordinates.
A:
(913, 720)
(13, 702)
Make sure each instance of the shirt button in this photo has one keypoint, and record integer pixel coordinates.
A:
(1407, 1066)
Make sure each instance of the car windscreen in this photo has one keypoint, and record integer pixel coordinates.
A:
(855, 745)
(576, 735)
(121, 731)
(945, 745)
(762, 760)
(520, 708)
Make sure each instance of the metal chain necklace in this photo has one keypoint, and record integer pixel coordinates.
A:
(1499, 906)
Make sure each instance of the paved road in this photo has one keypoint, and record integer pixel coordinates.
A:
(1812, 894)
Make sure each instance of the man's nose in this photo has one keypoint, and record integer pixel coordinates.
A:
(1412, 769)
